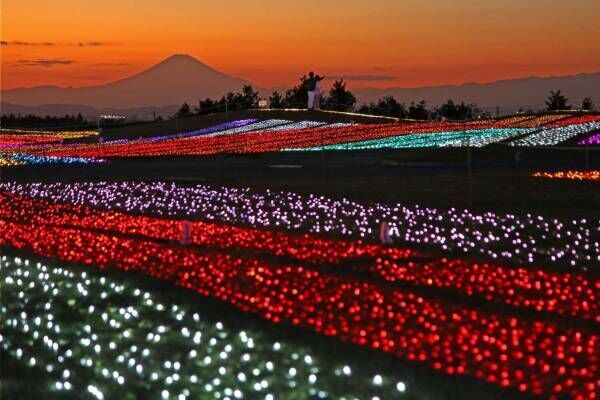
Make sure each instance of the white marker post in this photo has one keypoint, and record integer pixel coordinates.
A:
(186, 232)
(384, 233)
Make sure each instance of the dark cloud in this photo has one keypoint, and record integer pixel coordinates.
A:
(44, 62)
(381, 69)
(79, 44)
(22, 43)
(110, 64)
(363, 77)
(91, 44)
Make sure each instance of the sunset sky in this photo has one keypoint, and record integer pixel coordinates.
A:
(381, 43)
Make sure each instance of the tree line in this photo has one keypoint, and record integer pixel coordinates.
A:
(30, 120)
(557, 101)
(340, 98)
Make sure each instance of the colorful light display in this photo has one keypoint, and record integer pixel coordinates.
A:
(8, 141)
(570, 294)
(527, 354)
(277, 135)
(574, 120)
(473, 138)
(170, 145)
(16, 159)
(521, 314)
(17, 144)
(17, 139)
(120, 339)
(267, 139)
(528, 239)
(8, 161)
(199, 132)
(59, 133)
(571, 175)
(254, 127)
(298, 125)
(531, 121)
(555, 135)
(593, 140)
(31, 159)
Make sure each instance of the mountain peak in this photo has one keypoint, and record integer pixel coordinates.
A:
(183, 64)
(180, 57)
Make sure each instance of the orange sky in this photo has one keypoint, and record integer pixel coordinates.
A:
(383, 42)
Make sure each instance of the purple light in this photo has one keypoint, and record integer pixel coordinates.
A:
(593, 140)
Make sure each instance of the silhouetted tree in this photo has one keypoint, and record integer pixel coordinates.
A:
(587, 104)
(297, 96)
(366, 108)
(454, 111)
(206, 106)
(276, 100)
(231, 101)
(387, 106)
(390, 107)
(340, 98)
(418, 110)
(248, 98)
(557, 101)
(183, 111)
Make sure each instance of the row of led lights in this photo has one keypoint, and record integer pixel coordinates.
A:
(243, 126)
(279, 136)
(555, 135)
(16, 159)
(592, 175)
(472, 138)
(476, 138)
(534, 288)
(531, 239)
(156, 145)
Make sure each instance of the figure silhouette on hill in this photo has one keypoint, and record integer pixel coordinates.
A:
(313, 86)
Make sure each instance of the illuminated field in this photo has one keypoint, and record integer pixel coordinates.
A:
(273, 135)
(183, 288)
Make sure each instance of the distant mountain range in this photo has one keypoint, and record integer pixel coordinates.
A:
(176, 79)
(509, 95)
(163, 87)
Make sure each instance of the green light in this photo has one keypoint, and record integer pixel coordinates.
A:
(470, 138)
